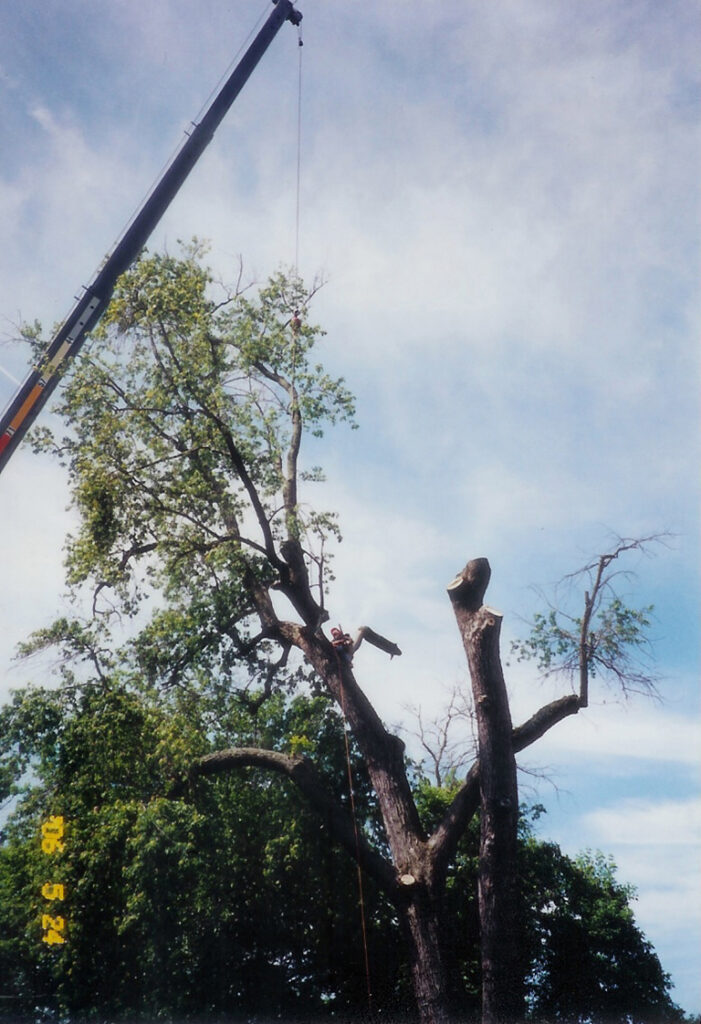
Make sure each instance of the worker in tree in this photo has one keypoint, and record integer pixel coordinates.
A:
(342, 644)
(345, 645)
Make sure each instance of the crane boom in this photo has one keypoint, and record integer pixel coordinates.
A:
(41, 381)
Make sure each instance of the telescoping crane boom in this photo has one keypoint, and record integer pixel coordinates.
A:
(40, 383)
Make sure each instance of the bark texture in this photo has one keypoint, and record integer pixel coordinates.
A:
(502, 984)
(414, 878)
(421, 921)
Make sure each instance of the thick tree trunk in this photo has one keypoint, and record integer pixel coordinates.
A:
(421, 920)
(416, 877)
(502, 984)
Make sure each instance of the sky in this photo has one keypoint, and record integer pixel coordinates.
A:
(503, 201)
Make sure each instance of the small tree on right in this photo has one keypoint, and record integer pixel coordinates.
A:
(607, 638)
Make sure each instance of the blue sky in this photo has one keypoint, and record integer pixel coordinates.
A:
(504, 199)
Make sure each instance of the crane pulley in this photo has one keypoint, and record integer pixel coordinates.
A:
(89, 307)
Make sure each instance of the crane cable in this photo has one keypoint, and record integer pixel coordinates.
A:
(300, 47)
(361, 896)
(346, 727)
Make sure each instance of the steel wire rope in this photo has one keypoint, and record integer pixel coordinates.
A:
(300, 48)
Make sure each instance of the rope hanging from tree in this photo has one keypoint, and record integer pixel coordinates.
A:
(361, 894)
(345, 647)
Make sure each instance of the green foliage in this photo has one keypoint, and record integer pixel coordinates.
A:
(588, 961)
(608, 639)
(554, 641)
(185, 419)
(226, 897)
(584, 958)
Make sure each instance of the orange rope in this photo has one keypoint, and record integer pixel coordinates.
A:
(357, 844)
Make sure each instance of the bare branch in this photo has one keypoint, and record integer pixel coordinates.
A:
(443, 843)
(446, 754)
(543, 720)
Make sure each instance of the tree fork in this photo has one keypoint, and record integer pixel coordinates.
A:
(480, 626)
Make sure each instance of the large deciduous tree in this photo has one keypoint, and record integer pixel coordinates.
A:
(184, 449)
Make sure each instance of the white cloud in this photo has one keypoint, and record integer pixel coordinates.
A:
(43, 116)
(620, 736)
(655, 845)
(641, 822)
(656, 848)
(35, 525)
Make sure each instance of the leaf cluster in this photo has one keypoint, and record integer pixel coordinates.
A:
(607, 638)
(617, 635)
(588, 959)
(185, 416)
(227, 898)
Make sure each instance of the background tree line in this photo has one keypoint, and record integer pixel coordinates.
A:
(227, 898)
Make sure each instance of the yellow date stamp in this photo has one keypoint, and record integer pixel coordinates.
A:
(52, 842)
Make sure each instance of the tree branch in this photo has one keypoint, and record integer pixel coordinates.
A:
(548, 716)
(290, 477)
(302, 772)
(382, 751)
(250, 487)
(443, 843)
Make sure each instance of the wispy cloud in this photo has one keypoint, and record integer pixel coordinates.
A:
(623, 736)
(649, 823)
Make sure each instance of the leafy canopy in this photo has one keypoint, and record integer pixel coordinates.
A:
(185, 420)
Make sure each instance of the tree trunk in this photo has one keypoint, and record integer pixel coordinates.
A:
(502, 984)
(416, 890)
(418, 881)
(421, 921)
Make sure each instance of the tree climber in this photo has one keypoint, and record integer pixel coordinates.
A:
(345, 645)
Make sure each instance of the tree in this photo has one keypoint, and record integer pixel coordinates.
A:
(184, 452)
(227, 899)
(588, 960)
